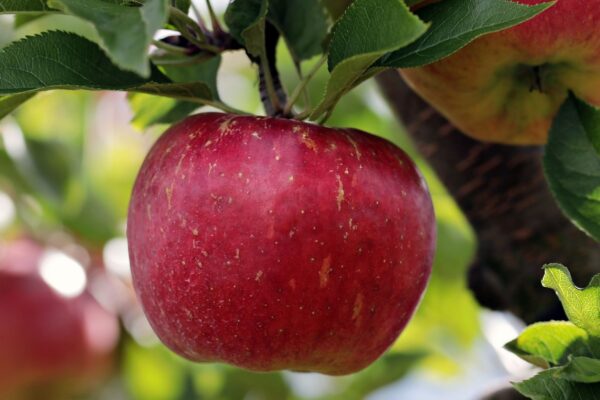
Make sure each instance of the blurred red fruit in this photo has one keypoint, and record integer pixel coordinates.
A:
(51, 346)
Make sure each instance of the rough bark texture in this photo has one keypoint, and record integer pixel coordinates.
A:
(503, 193)
(505, 394)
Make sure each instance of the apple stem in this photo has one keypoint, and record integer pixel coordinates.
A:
(272, 93)
(536, 82)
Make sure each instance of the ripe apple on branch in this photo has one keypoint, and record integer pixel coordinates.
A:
(254, 239)
(507, 87)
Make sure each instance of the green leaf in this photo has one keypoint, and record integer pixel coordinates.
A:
(455, 23)
(186, 91)
(20, 6)
(151, 110)
(10, 103)
(581, 369)
(572, 165)
(582, 306)
(336, 8)
(292, 17)
(590, 118)
(547, 344)
(183, 5)
(205, 72)
(246, 22)
(545, 386)
(60, 60)
(125, 32)
(25, 18)
(367, 30)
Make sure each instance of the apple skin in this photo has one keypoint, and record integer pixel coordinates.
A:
(274, 244)
(489, 88)
(51, 347)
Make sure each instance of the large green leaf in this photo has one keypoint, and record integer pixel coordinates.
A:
(246, 21)
(125, 32)
(590, 118)
(367, 30)
(454, 23)
(25, 18)
(302, 24)
(183, 5)
(582, 306)
(545, 386)
(60, 60)
(581, 369)
(572, 165)
(151, 110)
(54, 60)
(547, 344)
(20, 6)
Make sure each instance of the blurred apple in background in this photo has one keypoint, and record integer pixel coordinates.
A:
(56, 341)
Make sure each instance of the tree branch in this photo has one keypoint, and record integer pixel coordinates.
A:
(503, 193)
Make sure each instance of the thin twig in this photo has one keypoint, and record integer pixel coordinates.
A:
(305, 93)
(303, 115)
(221, 106)
(303, 84)
(169, 47)
(183, 61)
(191, 30)
(326, 116)
(196, 12)
(213, 18)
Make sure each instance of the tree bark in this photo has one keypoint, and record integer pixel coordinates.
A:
(505, 394)
(503, 193)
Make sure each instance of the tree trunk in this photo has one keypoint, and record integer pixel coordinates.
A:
(503, 193)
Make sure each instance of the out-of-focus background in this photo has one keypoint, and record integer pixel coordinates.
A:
(68, 160)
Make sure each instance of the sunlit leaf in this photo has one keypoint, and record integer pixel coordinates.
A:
(367, 30)
(126, 32)
(582, 306)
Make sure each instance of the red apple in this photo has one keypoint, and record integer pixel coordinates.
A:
(506, 87)
(274, 244)
(51, 346)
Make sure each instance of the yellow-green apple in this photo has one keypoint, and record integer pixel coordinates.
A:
(507, 86)
(275, 244)
(51, 346)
